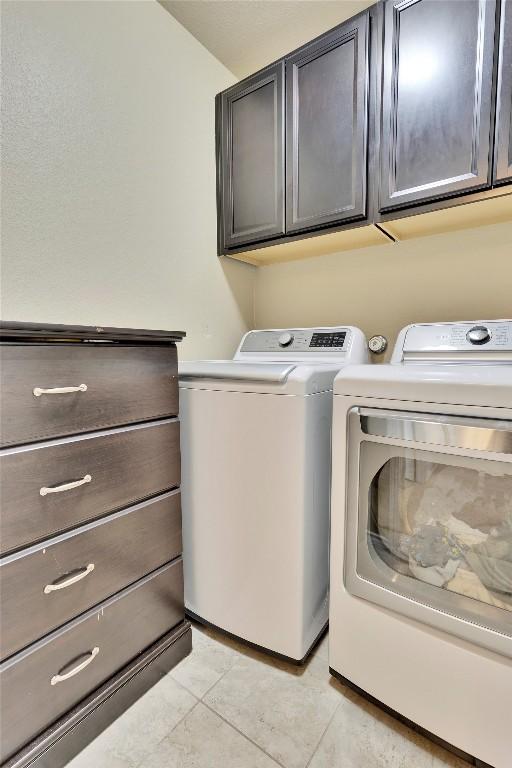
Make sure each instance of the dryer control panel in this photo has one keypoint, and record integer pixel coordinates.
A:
(472, 342)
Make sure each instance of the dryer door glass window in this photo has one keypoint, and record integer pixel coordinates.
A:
(447, 526)
(429, 520)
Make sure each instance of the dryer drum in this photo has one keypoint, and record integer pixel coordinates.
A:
(448, 526)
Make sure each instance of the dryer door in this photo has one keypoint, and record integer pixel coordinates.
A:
(429, 524)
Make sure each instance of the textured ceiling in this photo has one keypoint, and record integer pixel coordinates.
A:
(245, 35)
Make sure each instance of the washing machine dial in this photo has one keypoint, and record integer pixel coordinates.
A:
(479, 334)
(285, 339)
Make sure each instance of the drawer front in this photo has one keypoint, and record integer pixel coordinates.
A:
(46, 586)
(114, 469)
(111, 386)
(38, 685)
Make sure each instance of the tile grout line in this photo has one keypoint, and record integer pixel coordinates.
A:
(184, 687)
(323, 734)
(244, 735)
(235, 660)
(200, 700)
(230, 725)
(189, 690)
(141, 763)
(205, 704)
(212, 686)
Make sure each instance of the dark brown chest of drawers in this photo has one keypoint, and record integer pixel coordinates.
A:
(91, 577)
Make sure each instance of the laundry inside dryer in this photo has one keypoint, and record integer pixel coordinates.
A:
(449, 526)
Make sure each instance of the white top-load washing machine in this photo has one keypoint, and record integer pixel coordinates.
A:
(255, 447)
(421, 533)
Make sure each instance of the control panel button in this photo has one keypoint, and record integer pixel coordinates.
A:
(285, 339)
(479, 334)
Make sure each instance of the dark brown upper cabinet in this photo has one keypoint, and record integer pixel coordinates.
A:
(405, 108)
(326, 128)
(503, 141)
(436, 99)
(251, 127)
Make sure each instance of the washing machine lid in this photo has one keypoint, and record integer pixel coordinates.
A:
(231, 370)
(257, 377)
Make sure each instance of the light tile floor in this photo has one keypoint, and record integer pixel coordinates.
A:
(227, 706)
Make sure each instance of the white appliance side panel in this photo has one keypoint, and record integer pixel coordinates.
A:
(246, 496)
(456, 690)
(317, 493)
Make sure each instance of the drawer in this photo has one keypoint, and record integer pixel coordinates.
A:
(46, 680)
(121, 466)
(45, 586)
(118, 385)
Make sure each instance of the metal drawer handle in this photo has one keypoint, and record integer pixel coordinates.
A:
(38, 391)
(68, 582)
(59, 678)
(65, 486)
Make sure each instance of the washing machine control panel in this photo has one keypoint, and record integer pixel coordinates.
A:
(460, 342)
(297, 340)
(324, 340)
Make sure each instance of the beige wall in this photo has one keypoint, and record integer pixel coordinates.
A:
(109, 198)
(109, 174)
(455, 276)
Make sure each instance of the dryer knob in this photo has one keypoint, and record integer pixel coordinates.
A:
(285, 339)
(479, 334)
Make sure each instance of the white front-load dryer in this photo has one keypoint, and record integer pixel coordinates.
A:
(421, 533)
(255, 447)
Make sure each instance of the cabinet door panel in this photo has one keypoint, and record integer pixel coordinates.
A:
(503, 144)
(252, 119)
(436, 99)
(326, 124)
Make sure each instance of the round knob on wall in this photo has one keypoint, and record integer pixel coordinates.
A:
(479, 334)
(378, 344)
(285, 339)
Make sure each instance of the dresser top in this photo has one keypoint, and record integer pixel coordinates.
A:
(12, 330)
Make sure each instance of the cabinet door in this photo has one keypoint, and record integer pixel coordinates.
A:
(436, 99)
(252, 158)
(503, 144)
(326, 128)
